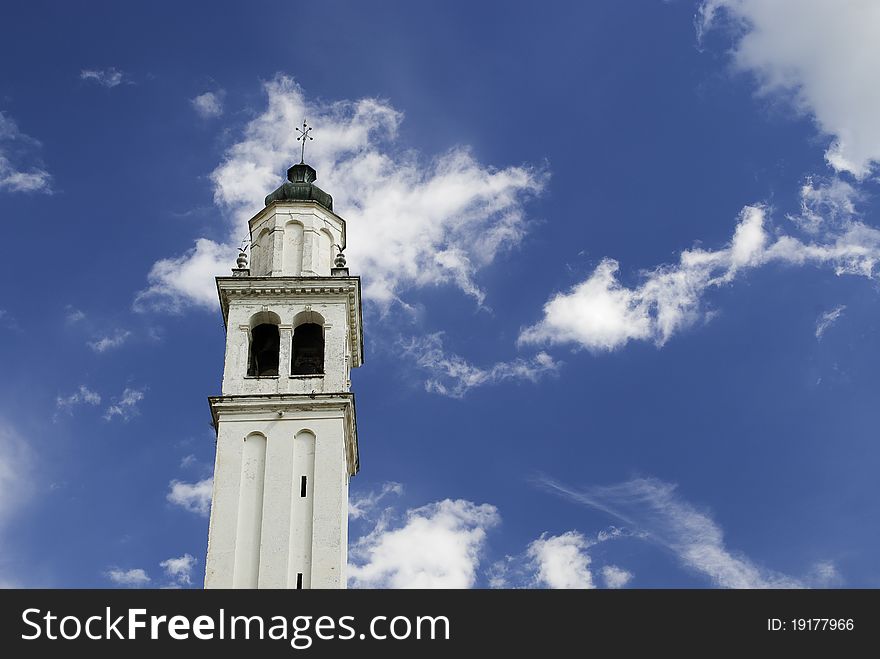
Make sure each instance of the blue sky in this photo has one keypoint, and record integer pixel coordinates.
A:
(619, 262)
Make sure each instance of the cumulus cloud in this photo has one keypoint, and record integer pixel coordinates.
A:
(176, 283)
(555, 561)
(615, 577)
(454, 376)
(110, 342)
(194, 497)
(443, 218)
(17, 153)
(827, 319)
(209, 104)
(109, 78)
(82, 396)
(436, 546)
(820, 54)
(133, 578)
(602, 314)
(179, 570)
(561, 561)
(126, 406)
(655, 508)
(361, 505)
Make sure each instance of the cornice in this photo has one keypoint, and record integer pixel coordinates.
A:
(229, 288)
(271, 405)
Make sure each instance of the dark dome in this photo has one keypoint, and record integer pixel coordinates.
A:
(299, 186)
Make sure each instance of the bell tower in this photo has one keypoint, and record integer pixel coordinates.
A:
(285, 422)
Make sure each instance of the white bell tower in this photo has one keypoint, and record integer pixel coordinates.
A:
(285, 422)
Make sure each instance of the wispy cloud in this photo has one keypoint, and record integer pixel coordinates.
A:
(454, 376)
(557, 561)
(444, 218)
(82, 396)
(126, 406)
(827, 319)
(73, 315)
(208, 105)
(110, 342)
(109, 78)
(19, 169)
(180, 569)
(16, 465)
(131, 578)
(601, 314)
(655, 508)
(194, 497)
(361, 505)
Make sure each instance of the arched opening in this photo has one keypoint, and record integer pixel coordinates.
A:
(265, 344)
(308, 350)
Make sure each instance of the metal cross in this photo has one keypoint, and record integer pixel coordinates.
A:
(303, 136)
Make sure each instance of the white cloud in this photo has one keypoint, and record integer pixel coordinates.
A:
(105, 77)
(106, 343)
(653, 507)
(601, 314)
(209, 104)
(82, 396)
(180, 569)
(15, 149)
(16, 462)
(188, 461)
(443, 219)
(361, 505)
(73, 315)
(561, 561)
(134, 578)
(827, 319)
(823, 56)
(187, 280)
(126, 406)
(194, 497)
(615, 577)
(454, 376)
(438, 546)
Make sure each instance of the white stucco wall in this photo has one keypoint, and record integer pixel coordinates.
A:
(334, 310)
(259, 533)
(294, 239)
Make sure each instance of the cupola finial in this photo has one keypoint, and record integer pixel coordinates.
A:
(303, 136)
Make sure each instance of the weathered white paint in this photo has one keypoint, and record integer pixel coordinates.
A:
(330, 419)
(272, 431)
(249, 520)
(303, 510)
(294, 238)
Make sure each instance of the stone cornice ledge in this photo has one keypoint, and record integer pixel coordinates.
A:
(255, 406)
(230, 287)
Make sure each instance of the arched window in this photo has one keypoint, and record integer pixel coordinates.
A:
(308, 350)
(265, 344)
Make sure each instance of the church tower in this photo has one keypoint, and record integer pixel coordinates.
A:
(285, 422)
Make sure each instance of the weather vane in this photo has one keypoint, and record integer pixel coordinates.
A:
(303, 136)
